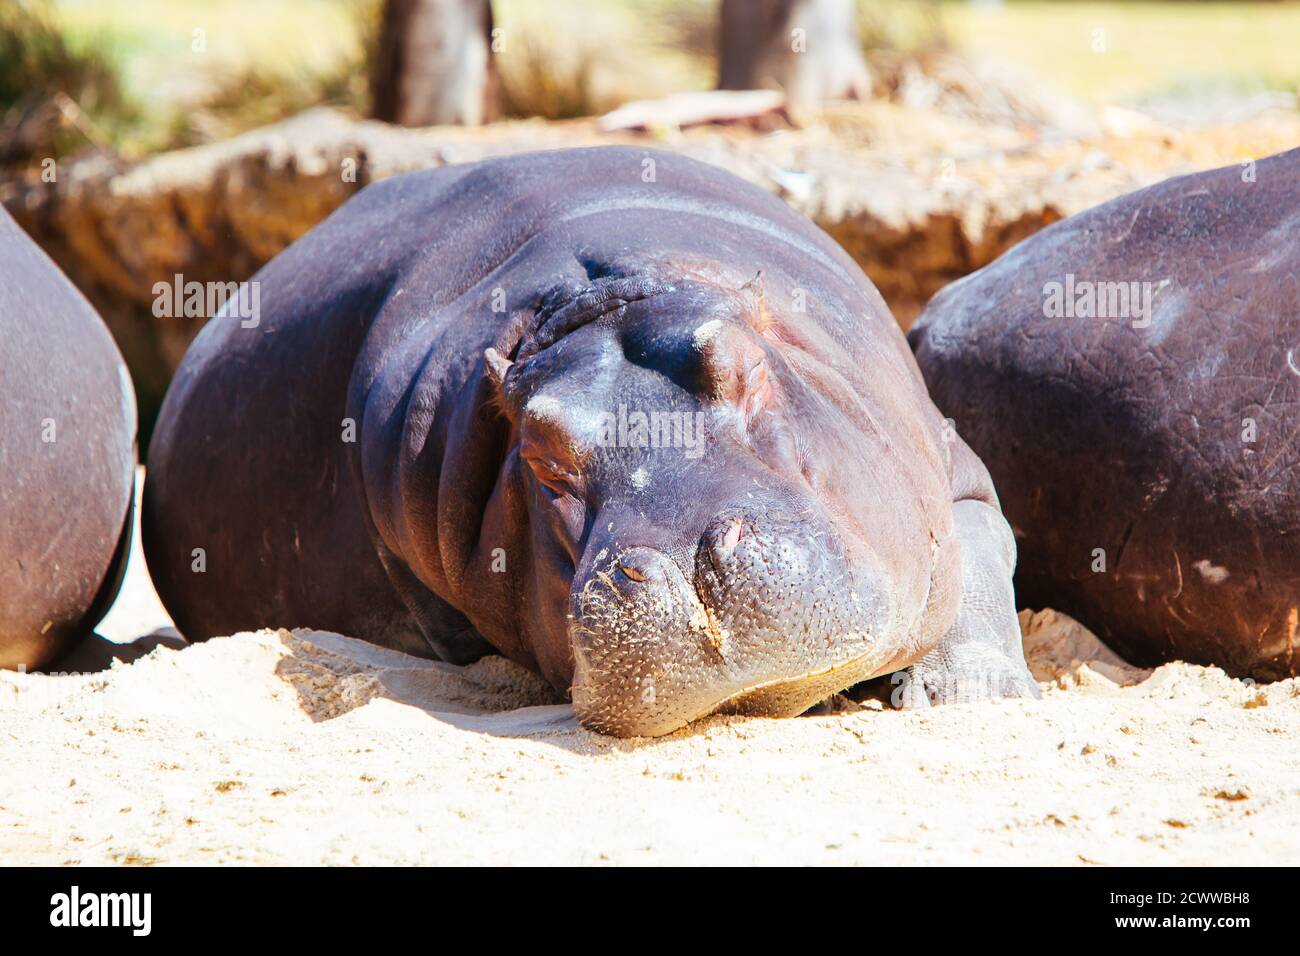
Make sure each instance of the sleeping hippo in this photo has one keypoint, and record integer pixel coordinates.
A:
(1131, 376)
(613, 413)
(67, 459)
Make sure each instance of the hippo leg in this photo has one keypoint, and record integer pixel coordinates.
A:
(981, 656)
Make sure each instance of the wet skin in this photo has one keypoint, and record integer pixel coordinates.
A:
(494, 332)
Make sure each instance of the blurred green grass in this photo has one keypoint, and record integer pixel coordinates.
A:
(1152, 49)
(264, 59)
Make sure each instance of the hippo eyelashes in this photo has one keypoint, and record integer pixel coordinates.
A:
(554, 476)
(562, 487)
(552, 450)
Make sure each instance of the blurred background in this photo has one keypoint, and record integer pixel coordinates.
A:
(140, 84)
(145, 139)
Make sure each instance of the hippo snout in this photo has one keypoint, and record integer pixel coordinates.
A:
(767, 615)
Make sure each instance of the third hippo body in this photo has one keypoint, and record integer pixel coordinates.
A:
(435, 439)
(1130, 377)
(67, 459)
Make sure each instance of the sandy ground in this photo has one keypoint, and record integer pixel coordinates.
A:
(306, 747)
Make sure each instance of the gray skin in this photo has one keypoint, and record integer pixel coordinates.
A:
(476, 323)
(1165, 439)
(67, 454)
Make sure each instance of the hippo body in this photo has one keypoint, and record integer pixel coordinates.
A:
(67, 450)
(1130, 376)
(613, 413)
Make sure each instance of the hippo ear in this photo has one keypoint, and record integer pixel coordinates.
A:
(755, 293)
(735, 364)
(495, 366)
(758, 390)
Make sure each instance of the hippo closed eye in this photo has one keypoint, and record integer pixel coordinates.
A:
(613, 413)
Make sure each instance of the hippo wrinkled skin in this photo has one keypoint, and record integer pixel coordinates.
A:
(1131, 377)
(613, 413)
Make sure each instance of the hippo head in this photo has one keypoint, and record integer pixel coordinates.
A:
(693, 541)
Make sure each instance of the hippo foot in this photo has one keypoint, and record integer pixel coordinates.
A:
(981, 657)
(970, 675)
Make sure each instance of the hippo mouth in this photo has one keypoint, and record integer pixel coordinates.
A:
(649, 669)
(630, 704)
(791, 696)
(768, 622)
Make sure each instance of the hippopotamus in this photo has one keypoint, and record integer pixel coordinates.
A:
(1130, 376)
(67, 450)
(613, 413)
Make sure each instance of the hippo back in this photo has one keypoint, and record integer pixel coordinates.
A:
(1130, 376)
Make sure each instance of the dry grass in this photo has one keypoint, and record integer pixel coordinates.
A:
(568, 58)
(50, 86)
(533, 82)
(245, 95)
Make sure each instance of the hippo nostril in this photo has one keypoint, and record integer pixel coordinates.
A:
(632, 572)
(720, 542)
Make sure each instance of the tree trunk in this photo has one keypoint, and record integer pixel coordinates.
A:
(808, 48)
(434, 63)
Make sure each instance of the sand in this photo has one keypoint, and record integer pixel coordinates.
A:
(306, 747)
